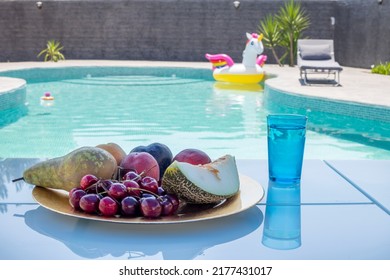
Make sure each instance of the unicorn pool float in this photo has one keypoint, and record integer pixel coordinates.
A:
(250, 71)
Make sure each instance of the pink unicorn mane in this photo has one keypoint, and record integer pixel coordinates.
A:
(254, 35)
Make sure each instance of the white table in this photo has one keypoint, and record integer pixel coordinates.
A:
(344, 214)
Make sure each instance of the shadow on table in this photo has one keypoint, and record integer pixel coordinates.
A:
(95, 239)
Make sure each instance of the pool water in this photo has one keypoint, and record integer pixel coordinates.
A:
(181, 112)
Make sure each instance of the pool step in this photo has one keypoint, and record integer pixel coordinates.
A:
(134, 80)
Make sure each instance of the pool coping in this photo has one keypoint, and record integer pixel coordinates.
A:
(12, 92)
(10, 84)
(286, 80)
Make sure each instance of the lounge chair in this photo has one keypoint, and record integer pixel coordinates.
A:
(316, 56)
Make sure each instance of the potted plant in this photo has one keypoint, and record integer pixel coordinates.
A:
(52, 51)
(284, 29)
(271, 31)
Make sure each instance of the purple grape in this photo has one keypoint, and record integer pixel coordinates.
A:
(150, 184)
(150, 207)
(89, 203)
(167, 206)
(104, 186)
(133, 189)
(108, 206)
(73, 190)
(74, 198)
(135, 196)
(174, 199)
(117, 191)
(132, 176)
(101, 187)
(145, 195)
(161, 191)
(88, 180)
(130, 206)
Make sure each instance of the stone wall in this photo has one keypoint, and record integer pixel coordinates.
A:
(182, 30)
(362, 32)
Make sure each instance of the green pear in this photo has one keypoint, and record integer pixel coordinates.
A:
(66, 172)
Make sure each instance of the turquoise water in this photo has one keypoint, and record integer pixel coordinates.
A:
(182, 111)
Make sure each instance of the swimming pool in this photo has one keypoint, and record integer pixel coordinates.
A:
(181, 107)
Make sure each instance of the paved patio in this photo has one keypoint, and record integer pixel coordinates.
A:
(357, 85)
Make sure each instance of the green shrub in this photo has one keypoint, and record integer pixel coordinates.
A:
(284, 29)
(272, 39)
(382, 68)
(52, 51)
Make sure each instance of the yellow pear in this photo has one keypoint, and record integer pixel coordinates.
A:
(66, 172)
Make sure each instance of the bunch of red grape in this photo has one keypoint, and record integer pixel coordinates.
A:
(133, 196)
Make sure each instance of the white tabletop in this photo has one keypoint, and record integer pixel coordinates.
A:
(341, 215)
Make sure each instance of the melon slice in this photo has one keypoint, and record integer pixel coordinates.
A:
(200, 184)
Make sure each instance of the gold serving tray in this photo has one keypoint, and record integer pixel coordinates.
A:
(250, 193)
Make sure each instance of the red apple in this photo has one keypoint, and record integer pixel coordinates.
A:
(141, 162)
(193, 156)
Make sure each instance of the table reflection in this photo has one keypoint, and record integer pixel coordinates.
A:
(95, 239)
(282, 223)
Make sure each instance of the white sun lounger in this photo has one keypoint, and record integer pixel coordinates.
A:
(316, 56)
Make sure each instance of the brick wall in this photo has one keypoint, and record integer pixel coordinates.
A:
(180, 30)
(362, 33)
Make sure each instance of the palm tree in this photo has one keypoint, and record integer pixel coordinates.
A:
(269, 27)
(292, 20)
(52, 51)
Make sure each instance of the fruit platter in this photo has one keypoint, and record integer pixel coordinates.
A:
(148, 185)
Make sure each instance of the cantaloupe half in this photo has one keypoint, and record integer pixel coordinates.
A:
(200, 184)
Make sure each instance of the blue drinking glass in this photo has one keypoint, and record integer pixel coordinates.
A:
(286, 142)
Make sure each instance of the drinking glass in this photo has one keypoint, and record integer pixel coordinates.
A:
(286, 142)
